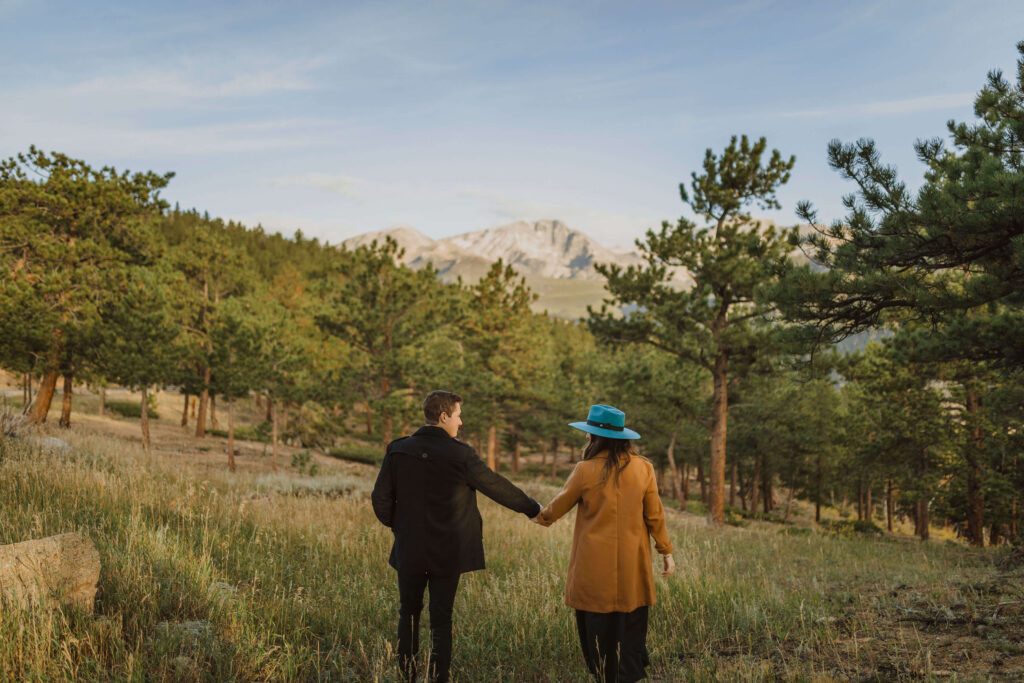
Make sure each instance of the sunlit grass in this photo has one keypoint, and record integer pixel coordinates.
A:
(296, 587)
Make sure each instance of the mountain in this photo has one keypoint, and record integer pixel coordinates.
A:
(557, 262)
(547, 249)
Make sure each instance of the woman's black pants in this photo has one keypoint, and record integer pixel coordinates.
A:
(614, 644)
(442, 601)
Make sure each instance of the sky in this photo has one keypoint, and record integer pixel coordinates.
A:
(339, 118)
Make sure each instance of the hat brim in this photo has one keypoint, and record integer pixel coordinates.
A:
(607, 433)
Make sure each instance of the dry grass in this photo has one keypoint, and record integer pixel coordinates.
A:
(290, 572)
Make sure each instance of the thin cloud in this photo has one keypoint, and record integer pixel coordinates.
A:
(888, 108)
(159, 142)
(189, 82)
(343, 185)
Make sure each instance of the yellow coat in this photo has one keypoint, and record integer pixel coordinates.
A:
(610, 563)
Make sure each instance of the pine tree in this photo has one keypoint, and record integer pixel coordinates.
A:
(715, 324)
(68, 234)
(380, 309)
(951, 256)
(135, 340)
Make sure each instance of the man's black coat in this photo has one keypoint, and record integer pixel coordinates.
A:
(426, 493)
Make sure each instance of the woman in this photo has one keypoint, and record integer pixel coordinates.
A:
(610, 582)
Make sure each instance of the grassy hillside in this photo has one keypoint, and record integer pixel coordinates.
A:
(290, 574)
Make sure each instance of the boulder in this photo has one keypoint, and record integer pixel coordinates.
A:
(64, 568)
(51, 443)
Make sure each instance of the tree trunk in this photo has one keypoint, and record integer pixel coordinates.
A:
(860, 500)
(184, 413)
(269, 416)
(492, 447)
(670, 458)
(869, 513)
(921, 520)
(789, 504)
(819, 481)
(65, 409)
(273, 431)
(41, 407)
(204, 398)
(231, 434)
(685, 486)
(554, 457)
(64, 568)
(733, 476)
(369, 419)
(888, 505)
(755, 482)
(516, 452)
(144, 420)
(769, 495)
(995, 535)
(103, 400)
(701, 480)
(975, 500)
(716, 466)
(1013, 519)
(213, 411)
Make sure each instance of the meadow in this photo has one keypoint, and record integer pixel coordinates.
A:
(262, 576)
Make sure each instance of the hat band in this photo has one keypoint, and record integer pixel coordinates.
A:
(605, 425)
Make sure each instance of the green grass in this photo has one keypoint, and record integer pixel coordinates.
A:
(357, 451)
(260, 433)
(129, 409)
(313, 598)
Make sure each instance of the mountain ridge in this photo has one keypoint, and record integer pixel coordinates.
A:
(546, 249)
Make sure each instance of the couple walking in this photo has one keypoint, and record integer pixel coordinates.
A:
(426, 494)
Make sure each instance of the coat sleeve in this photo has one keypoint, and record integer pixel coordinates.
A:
(654, 516)
(564, 501)
(383, 496)
(498, 488)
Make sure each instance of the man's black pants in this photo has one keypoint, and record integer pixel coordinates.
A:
(442, 601)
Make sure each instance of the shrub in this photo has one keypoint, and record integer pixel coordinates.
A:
(849, 527)
(733, 518)
(371, 454)
(132, 408)
(301, 460)
(12, 424)
(260, 432)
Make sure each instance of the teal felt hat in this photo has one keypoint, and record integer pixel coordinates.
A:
(606, 421)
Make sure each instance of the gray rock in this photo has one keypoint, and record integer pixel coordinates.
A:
(192, 631)
(51, 443)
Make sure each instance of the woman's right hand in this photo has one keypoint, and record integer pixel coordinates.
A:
(669, 565)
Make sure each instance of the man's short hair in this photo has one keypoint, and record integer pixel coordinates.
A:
(438, 402)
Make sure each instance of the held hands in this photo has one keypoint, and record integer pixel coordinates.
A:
(669, 567)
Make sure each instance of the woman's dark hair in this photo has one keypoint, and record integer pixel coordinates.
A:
(619, 452)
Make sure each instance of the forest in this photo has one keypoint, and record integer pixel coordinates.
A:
(738, 383)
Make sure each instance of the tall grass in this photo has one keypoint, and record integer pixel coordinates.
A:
(296, 587)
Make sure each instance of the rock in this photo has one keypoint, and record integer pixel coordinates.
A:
(64, 568)
(51, 443)
(190, 631)
(184, 667)
(222, 592)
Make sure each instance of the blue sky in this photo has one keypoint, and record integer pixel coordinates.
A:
(341, 118)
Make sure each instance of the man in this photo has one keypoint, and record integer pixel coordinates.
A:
(426, 494)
